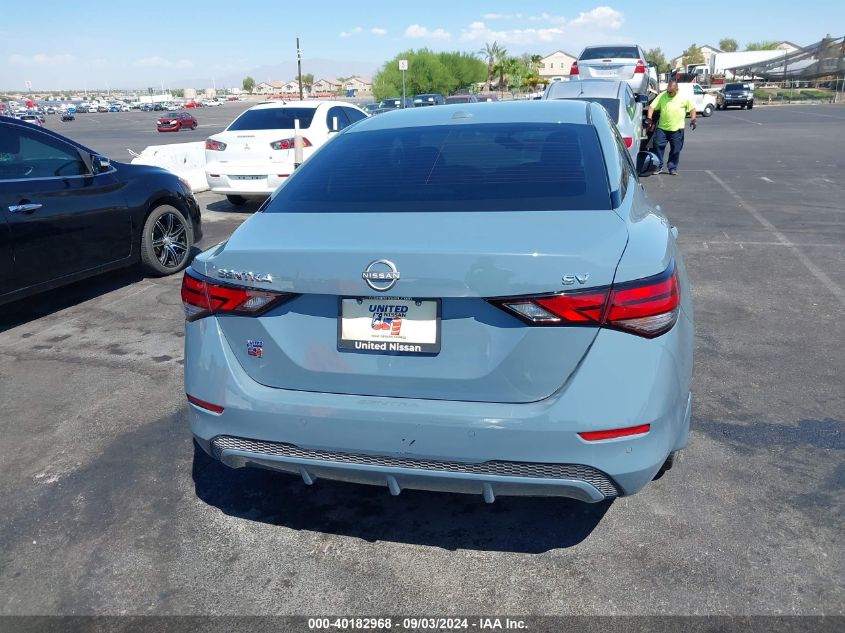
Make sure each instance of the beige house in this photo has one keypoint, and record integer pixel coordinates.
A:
(358, 84)
(325, 87)
(277, 88)
(555, 67)
(706, 50)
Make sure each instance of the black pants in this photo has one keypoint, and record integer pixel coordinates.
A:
(676, 144)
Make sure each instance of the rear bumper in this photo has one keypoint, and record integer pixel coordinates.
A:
(244, 178)
(404, 443)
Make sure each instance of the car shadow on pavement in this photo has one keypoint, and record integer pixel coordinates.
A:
(224, 206)
(451, 521)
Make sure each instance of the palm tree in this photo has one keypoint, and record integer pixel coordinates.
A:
(490, 54)
(502, 68)
(535, 61)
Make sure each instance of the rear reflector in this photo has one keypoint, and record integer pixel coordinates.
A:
(202, 297)
(595, 436)
(646, 307)
(202, 404)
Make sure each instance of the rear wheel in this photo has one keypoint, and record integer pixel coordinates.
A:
(193, 126)
(708, 110)
(166, 241)
(238, 201)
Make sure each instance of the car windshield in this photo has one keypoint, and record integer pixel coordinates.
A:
(273, 119)
(390, 103)
(611, 52)
(736, 87)
(171, 115)
(480, 167)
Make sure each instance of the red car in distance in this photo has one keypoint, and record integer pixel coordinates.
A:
(192, 104)
(175, 121)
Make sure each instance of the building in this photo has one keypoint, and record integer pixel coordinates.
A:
(706, 50)
(555, 67)
(325, 88)
(357, 85)
(278, 88)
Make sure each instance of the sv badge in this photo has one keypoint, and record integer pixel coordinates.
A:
(569, 280)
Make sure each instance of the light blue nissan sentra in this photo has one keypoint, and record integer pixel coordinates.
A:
(472, 298)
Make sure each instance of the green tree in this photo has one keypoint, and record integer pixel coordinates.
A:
(428, 72)
(658, 58)
(307, 81)
(692, 55)
(248, 84)
(762, 46)
(490, 54)
(729, 45)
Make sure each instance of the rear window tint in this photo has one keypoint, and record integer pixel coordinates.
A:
(611, 105)
(480, 167)
(273, 119)
(611, 52)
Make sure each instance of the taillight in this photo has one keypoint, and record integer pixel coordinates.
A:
(574, 69)
(287, 143)
(646, 307)
(640, 69)
(217, 146)
(628, 141)
(595, 436)
(202, 404)
(202, 297)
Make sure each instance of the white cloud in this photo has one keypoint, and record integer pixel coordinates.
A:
(501, 16)
(550, 30)
(416, 31)
(378, 31)
(160, 62)
(357, 29)
(601, 17)
(42, 59)
(344, 34)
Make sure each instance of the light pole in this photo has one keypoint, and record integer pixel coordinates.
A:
(299, 68)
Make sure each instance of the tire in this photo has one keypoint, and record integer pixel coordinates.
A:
(708, 110)
(193, 126)
(750, 105)
(742, 107)
(238, 201)
(159, 256)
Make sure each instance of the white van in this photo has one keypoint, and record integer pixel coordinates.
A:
(704, 102)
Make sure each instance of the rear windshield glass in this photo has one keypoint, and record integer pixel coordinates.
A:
(611, 52)
(611, 105)
(480, 167)
(273, 119)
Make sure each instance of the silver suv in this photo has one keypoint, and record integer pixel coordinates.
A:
(616, 62)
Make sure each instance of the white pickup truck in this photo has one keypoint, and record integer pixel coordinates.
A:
(704, 102)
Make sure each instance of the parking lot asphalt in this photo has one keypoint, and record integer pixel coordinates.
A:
(108, 509)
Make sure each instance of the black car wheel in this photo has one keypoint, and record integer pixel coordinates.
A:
(238, 201)
(193, 126)
(166, 241)
(750, 104)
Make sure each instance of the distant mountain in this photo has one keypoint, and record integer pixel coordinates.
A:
(284, 71)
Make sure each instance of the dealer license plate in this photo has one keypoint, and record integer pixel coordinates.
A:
(389, 325)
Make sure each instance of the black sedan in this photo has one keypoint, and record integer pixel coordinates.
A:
(67, 213)
(67, 115)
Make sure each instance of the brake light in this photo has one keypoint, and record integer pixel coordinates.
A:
(628, 141)
(640, 69)
(574, 69)
(217, 146)
(646, 307)
(595, 436)
(287, 143)
(202, 297)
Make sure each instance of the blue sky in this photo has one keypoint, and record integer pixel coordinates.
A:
(64, 45)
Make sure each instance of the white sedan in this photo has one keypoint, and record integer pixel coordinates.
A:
(255, 154)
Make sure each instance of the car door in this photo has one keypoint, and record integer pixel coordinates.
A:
(61, 218)
(6, 283)
(698, 97)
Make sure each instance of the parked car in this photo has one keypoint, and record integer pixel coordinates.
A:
(461, 99)
(176, 121)
(51, 110)
(430, 99)
(392, 103)
(147, 107)
(705, 102)
(487, 97)
(625, 108)
(31, 118)
(192, 104)
(67, 115)
(370, 108)
(82, 109)
(125, 108)
(616, 62)
(552, 356)
(735, 94)
(114, 107)
(101, 214)
(255, 154)
(102, 108)
(210, 103)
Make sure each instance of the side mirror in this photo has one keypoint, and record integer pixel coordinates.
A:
(641, 98)
(99, 164)
(646, 163)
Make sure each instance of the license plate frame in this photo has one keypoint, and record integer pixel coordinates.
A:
(385, 343)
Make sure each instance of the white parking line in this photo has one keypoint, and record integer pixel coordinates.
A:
(829, 116)
(766, 179)
(739, 118)
(819, 274)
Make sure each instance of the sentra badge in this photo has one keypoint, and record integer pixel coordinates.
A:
(244, 275)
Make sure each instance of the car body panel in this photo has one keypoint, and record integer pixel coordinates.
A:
(616, 62)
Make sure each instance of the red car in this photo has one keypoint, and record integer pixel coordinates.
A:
(175, 121)
(192, 104)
